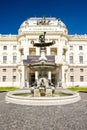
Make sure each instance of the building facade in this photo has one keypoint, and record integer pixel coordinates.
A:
(17, 53)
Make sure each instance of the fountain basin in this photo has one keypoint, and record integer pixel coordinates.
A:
(11, 97)
(43, 66)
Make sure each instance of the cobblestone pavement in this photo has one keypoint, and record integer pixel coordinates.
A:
(65, 117)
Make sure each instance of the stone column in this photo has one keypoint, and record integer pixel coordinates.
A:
(20, 77)
(57, 77)
(36, 75)
(48, 50)
(60, 77)
(23, 76)
(37, 51)
(66, 76)
(28, 84)
(49, 75)
(26, 77)
(63, 76)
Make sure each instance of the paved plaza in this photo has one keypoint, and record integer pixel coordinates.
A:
(65, 117)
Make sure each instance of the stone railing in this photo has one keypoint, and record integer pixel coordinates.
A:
(78, 37)
(8, 37)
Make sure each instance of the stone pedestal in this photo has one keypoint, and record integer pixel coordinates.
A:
(42, 91)
(36, 93)
(48, 92)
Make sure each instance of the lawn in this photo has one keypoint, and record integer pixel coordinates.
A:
(78, 89)
(8, 89)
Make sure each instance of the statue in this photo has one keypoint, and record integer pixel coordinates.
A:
(43, 21)
(42, 38)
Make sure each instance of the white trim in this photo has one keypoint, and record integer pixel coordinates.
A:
(9, 84)
(82, 84)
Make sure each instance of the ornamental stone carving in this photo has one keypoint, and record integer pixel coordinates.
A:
(43, 21)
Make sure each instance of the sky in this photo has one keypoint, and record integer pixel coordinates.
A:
(72, 12)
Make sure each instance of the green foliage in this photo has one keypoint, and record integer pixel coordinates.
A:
(82, 89)
(8, 88)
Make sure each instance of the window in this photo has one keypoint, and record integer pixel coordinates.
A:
(14, 59)
(14, 47)
(71, 78)
(71, 70)
(4, 78)
(4, 59)
(71, 59)
(32, 51)
(80, 47)
(4, 47)
(53, 51)
(80, 59)
(14, 78)
(81, 70)
(71, 47)
(4, 70)
(14, 70)
(81, 78)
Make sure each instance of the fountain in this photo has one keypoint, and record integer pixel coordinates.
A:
(42, 91)
(43, 87)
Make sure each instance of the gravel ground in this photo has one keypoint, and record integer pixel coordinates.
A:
(65, 117)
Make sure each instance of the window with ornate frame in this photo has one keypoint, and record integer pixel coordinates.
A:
(4, 59)
(81, 59)
(4, 78)
(71, 78)
(80, 47)
(14, 78)
(53, 51)
(71, 59)
(32, 51)
(14, 59)
(14, 47)
(4, 47)
(81, 78)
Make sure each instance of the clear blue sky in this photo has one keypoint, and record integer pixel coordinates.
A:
(72, 12)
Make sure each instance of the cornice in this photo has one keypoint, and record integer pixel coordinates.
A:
(40, 32)
(78, 37)
(78, 65)
(8, 37)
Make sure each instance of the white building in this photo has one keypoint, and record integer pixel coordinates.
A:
(69, 51)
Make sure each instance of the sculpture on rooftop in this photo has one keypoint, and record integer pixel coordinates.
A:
(43, 21)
